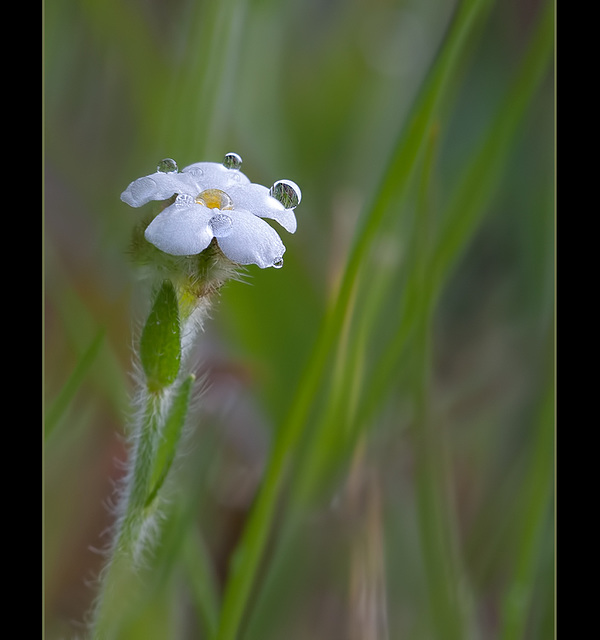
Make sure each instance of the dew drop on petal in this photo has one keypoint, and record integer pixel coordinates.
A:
(232, 161)
(221, 225)
(143, 189)
(214, 199)
(278, 263)
(167, 166)
(286, 192)
(195, 172)
(184, 200)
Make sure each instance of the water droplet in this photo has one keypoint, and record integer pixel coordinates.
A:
(215, 199)
(286, 192)
(278, 263)
(221, 225)
(232, 161)
(196, 172)
(167, 166)
(184, 200)
(143, 189)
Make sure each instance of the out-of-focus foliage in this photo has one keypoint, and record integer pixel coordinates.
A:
(420, 483)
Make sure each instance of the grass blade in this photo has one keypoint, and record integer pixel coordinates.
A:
(62, 401)
(469, 201)
(396, 178)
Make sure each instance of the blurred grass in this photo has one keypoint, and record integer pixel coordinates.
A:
(420, 280)
(63, 400)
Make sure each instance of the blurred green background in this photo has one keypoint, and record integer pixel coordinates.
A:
(432, 411)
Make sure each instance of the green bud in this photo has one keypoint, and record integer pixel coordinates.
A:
(160, 344)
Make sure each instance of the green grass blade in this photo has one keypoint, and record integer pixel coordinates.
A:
(339, 427)
(62, 401)
(203, 588)
(535, 498)
(396, 178)
(482, 174)
(201, 91)
(468, 203)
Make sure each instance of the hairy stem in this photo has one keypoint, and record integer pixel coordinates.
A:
(162, 401)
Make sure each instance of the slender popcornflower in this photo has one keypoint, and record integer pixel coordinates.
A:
(211, 224)
(216, 201)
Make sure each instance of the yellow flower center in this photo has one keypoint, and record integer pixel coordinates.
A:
(215, 199)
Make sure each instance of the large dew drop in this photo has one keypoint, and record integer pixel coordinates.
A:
(286, 192)
(278, 263)
(167, 166)
(232, 161)
(143, 189)
(221, 225)
(214, 199)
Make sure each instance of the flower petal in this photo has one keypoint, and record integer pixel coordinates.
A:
(181, 230)
(252, 241)
(156, 186)
(212, 175)
(256, 199)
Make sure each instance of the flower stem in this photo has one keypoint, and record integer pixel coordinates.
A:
(162, 401)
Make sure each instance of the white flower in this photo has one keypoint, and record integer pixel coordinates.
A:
(216, 201)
